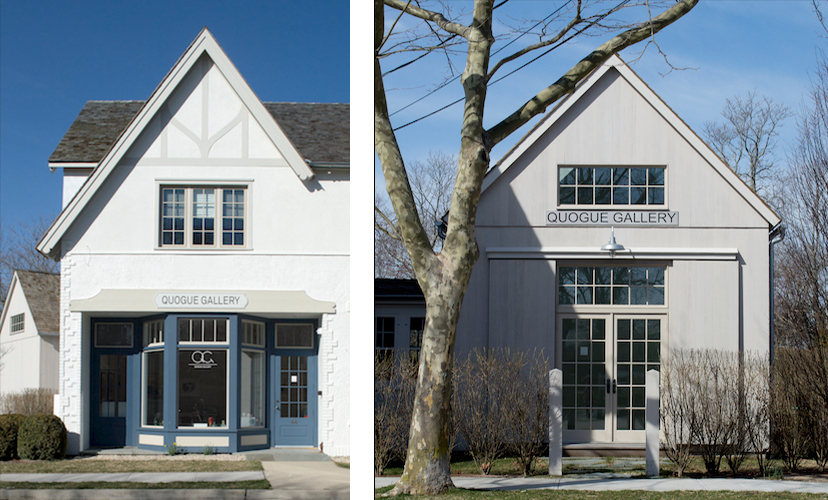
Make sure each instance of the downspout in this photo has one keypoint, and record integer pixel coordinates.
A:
(776, 235)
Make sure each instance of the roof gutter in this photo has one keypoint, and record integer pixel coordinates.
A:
(776, 235)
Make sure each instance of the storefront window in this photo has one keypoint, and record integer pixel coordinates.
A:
(153, 388)
(202, 387)
(252, 388)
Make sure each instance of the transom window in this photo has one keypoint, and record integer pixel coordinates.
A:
(18, 322)
(611, 285)
(298, 335)
(202, 330)
(190, 219)
(611, 185)
(113, 335)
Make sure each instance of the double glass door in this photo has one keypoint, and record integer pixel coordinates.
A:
(604, 359)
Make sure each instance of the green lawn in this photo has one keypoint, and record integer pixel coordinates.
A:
(80, 465)
(460, 494)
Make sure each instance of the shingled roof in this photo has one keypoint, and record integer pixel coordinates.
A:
(42, 291)
(320, 131)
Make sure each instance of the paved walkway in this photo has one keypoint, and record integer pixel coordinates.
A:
(293, 473)
(611, 482)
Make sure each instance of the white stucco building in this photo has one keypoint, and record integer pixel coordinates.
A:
(29, 328)
(692, 270)
(204, 256)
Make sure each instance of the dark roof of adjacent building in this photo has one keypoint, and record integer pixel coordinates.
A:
(386, 288)
(319, 131)
(42, 291)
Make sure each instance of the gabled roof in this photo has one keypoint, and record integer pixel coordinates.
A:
(320, 131)
(661, 108)
(203, 44)
(42, 293)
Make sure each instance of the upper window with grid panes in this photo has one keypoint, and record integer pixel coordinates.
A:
(611, 186)
(203, 217)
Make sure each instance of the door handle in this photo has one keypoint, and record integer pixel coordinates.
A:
(608, 386)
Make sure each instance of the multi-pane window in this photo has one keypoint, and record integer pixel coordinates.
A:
(190, 217)
(638, 347)
(384, 337)
(153, 332)
(415, 338)
(202, 330)
(18, 322)
(113, 375)
(232, 217)
(294, 391)
(611, 285)
(584, 373)
(253, 333)
(611, 185)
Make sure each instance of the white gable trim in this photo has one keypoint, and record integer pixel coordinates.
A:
(661, 108)
(15, 283)
(204, 43)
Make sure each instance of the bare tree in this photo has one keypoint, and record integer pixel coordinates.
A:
(431, 184)
(17, 251)
(748, 136)
(443, 276)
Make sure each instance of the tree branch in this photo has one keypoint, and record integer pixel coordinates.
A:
(435, 17)
(395, 235)
(566, 83)
(393, 168)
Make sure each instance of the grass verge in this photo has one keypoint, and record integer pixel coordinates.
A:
(461, 494)
(81, 465)
(260, 484)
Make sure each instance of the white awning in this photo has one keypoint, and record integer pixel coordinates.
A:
(271, 304)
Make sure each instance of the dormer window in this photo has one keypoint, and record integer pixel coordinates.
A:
(203, 217)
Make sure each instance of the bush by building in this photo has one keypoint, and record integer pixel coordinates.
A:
(9, 425)
(41, 437)
(28, 401)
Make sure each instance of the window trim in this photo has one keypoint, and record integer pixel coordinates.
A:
(17, 323)
(611, 206)
(188, 186)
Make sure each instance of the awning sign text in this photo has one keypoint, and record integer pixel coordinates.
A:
(197, 300)
(611, 218)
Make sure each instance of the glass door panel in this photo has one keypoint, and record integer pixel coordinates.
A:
(584, 352)
(638, 350)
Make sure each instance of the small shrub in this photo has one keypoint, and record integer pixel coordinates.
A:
(208, 450)
(41, 437)
(171, 449)
(9, 425)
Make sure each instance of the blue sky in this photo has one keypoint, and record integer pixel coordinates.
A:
(734, 46)
(56, 55)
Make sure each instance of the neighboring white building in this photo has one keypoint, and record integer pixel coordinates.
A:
(204, 253)
(29, 332)
(693, 270)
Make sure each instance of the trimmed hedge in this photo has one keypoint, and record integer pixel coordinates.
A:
(41, 437)
(9, 425)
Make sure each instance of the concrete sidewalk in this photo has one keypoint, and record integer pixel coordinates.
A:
(610, 482)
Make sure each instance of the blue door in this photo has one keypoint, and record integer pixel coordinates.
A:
(295, 409)
(108, 400)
